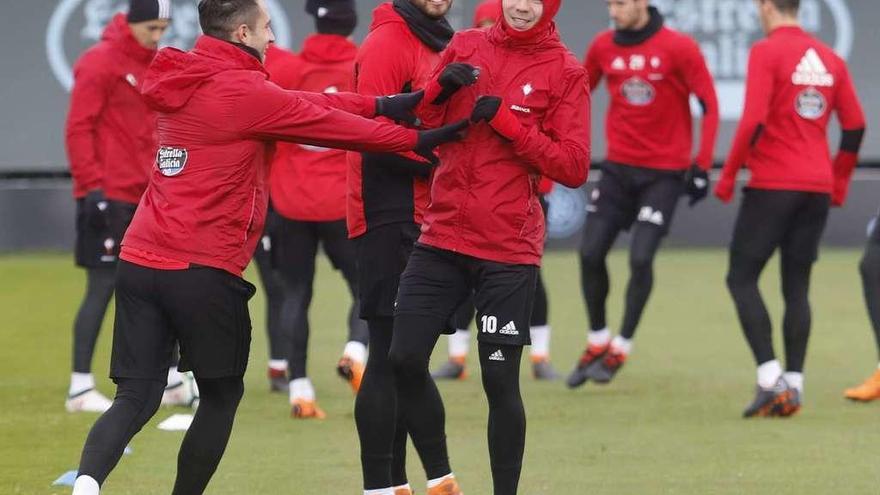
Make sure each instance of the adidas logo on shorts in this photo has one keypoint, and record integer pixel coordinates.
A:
(497, 356)
(509, 329)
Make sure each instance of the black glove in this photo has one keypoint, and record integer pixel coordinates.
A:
(485, 109)
(453, 78)
(429, 140)
(399, 107)
(96, 206)
(696, 184)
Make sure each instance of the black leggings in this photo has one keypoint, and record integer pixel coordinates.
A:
(87, 326)
(279, 340)
(422, 406)
(383, 460)
(136, 402)
(742, 280)
(870, 270)
(599, 236)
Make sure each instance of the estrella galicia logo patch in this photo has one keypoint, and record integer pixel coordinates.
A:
(637, 91)
(171, 161)
(810, 104)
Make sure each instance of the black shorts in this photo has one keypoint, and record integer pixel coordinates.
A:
(382, 254)
(436, 282)
(627, 194)
(203, 309)
(295, 247)
(98, 235)
(791, 220)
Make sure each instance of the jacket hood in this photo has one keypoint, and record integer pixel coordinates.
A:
(119, 35)
(539, 30)
(490, 10)
(175, 75)
(385, 14)
(328, 48)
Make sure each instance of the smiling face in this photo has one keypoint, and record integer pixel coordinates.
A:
(258, 34)
(433, 8)
(522, 15)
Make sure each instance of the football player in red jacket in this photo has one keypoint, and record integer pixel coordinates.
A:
(483, 232)
(111, 142)
(869, 267)
(794, 83)
(197, 224)
(485, 16)
(651, 72)
(307, 192)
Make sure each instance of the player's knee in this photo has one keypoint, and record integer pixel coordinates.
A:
(221, 393)
(408, 367)
(641, 264)
(143, 397)
(591, 259)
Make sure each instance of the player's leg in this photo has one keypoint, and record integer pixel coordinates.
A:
(208, 309)
(504, 296)
(539, 328)
(458, 344)
(869, 268)
(82, 395)
(382, 255)
(296, 249)
(798, 253)
(431, 288)
(278, 336)
(760, 225)
(142, 345)
(342, 254)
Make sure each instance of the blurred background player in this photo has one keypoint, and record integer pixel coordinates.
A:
(111, 144)
(485, 16)
(387, 194)
(278, 337)
(651, 72)
(308, 186)
(794, 83)
(483, 234)
(870, 270)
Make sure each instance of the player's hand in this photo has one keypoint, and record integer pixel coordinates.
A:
(724, 189)
(491, 109)
(696, 184)
(454, 77)
(96, 206)
(429, 140)
(399, 108)
(838, 194)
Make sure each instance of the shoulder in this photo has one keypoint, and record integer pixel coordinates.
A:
(603, 40)
(98, 59)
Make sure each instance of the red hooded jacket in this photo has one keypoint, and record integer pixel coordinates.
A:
(219, 117)
(487, 11)
(484, 195)
(794, 83)
(308, 183)
(390, 60)
(110, 133)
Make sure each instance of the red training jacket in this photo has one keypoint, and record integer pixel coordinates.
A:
(484, 194)
(649, 122)
(794, 83)
(218, 120)
(488, 10)
(110, 132)
(308, 183)
(390, 60)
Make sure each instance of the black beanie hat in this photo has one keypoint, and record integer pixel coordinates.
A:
(333, 16)
(148, 10)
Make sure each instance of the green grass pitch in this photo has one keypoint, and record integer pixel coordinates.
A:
(670, 423)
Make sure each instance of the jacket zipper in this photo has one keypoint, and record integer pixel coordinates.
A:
(250, 222)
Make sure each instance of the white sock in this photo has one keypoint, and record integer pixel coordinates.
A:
(86, 485)
(174, 377)
(769, 373)
(540, 341)
(622, 345)
(301, 388)
(356, 351)
(80, 382)
(599, 337)
(434, 482)
(794, 380)
(402, 487)
(380, 491)
(459, 343)
(278, 364)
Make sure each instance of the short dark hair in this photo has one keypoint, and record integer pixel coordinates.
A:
(219, 18)
(787, 6)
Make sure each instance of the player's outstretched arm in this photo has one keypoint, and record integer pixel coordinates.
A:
(560, 148)
(852, 124)
(759, 82)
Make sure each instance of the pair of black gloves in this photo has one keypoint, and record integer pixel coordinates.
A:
(399, 108)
